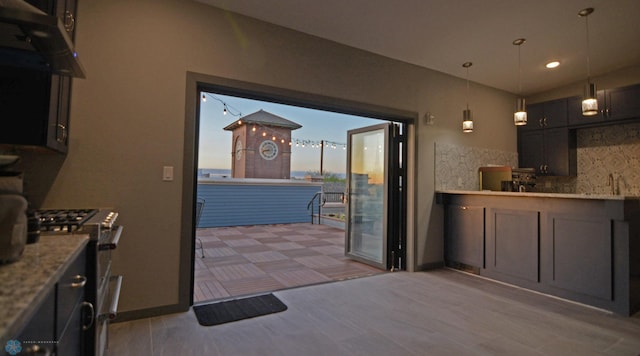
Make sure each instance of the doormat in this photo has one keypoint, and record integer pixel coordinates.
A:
(238, 309)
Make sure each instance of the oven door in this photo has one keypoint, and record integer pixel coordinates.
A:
(108, 312)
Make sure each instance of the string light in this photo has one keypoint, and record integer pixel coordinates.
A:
(228, 109)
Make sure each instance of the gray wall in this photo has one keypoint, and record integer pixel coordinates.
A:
(128, 119)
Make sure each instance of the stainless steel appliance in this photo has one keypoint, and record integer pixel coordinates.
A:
(523, 179)
(102, 288)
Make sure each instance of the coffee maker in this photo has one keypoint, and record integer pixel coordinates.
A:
(523, 179)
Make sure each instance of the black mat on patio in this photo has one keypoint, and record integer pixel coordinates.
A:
(238, 309)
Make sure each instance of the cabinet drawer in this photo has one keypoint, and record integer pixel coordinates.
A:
(70, 292)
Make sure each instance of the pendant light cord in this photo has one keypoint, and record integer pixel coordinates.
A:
(586, 18)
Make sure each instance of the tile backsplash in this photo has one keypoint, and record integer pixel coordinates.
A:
(609, 150)
(601, 151)
(457, 166)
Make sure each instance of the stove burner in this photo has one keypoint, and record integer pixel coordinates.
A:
(64, 219)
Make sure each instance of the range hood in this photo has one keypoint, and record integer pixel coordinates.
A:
(30, 38)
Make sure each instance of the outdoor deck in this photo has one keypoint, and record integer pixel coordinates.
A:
(243, 260)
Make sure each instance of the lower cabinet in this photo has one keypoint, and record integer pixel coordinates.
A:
(38, 337)
(57, 325)
(577, 255)
(512, 244)
(579, 249)
(464, 244)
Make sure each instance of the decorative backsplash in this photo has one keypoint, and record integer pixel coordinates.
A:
(609, 150)
(601, 151)
(457, 166)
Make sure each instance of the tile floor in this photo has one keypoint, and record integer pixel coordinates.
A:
(244, 260)
(439, 312)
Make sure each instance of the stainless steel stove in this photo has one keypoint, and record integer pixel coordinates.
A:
(102, 288)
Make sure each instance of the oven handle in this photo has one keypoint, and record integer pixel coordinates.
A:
(114, 237)
(113, 310)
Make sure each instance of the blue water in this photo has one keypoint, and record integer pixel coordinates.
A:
(226, 173)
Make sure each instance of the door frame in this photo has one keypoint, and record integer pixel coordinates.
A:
(195, 82)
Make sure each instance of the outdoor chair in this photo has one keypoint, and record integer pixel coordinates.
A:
(199, 207)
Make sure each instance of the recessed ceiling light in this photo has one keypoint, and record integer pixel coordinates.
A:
(553, 64)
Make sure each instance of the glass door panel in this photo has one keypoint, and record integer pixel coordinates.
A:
(367, 182)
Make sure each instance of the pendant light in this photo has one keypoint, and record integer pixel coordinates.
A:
(520, 115)
(467, 121)
(590, 101)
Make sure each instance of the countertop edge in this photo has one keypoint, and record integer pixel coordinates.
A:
(540, 195)
(21, 313)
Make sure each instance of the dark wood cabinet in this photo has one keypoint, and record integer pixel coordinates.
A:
(57, 325)
(547, 114)
(70, 298)
(464, 243)
(576, 248)
(34, 104)
(38, 337)
(614, 105)
(512, 244)
(549, 151)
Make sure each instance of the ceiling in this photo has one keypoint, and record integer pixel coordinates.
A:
(443, 34)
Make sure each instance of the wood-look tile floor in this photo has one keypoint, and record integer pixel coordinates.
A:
(244, 260)
(441, 312)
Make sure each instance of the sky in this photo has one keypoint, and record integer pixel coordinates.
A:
(215, 143)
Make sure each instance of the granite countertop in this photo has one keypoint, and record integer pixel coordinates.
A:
(541, 195)
(24, 283)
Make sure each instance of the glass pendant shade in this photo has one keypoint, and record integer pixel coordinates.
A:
(520, 116)
(467, 123)
(590, 101)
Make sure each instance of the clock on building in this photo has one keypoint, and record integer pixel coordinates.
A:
(268, 150)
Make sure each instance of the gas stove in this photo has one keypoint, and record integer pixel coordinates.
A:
(91, 221)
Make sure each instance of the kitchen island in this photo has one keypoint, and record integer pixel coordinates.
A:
(580, 247)
(29, 283)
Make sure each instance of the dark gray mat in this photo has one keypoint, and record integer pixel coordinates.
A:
(238, 309)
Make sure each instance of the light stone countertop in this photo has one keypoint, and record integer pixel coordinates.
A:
(25, 283)
(541, 195)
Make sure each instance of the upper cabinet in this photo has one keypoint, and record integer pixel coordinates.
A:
(545, 143)
(35, 104)
(549, 114)
(613, 104)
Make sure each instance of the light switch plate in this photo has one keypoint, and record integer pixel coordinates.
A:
(167, 173)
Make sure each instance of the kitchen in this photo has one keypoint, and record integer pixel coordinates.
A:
(132, 110)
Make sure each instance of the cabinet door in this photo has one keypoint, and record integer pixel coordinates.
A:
(512, 245)
(531, 152)
(535, 117)
(465, 235)
(555, 113)
(39, 334)
(34, 106)
(623, 103)
(559, 152)
(577, 254)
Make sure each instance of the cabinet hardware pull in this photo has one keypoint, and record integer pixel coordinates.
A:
(63, 129)
(69, 21)
(93, 315)
(36, 349)
(540, 122)
(79, 281)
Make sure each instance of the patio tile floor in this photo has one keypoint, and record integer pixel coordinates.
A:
(243, 260)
